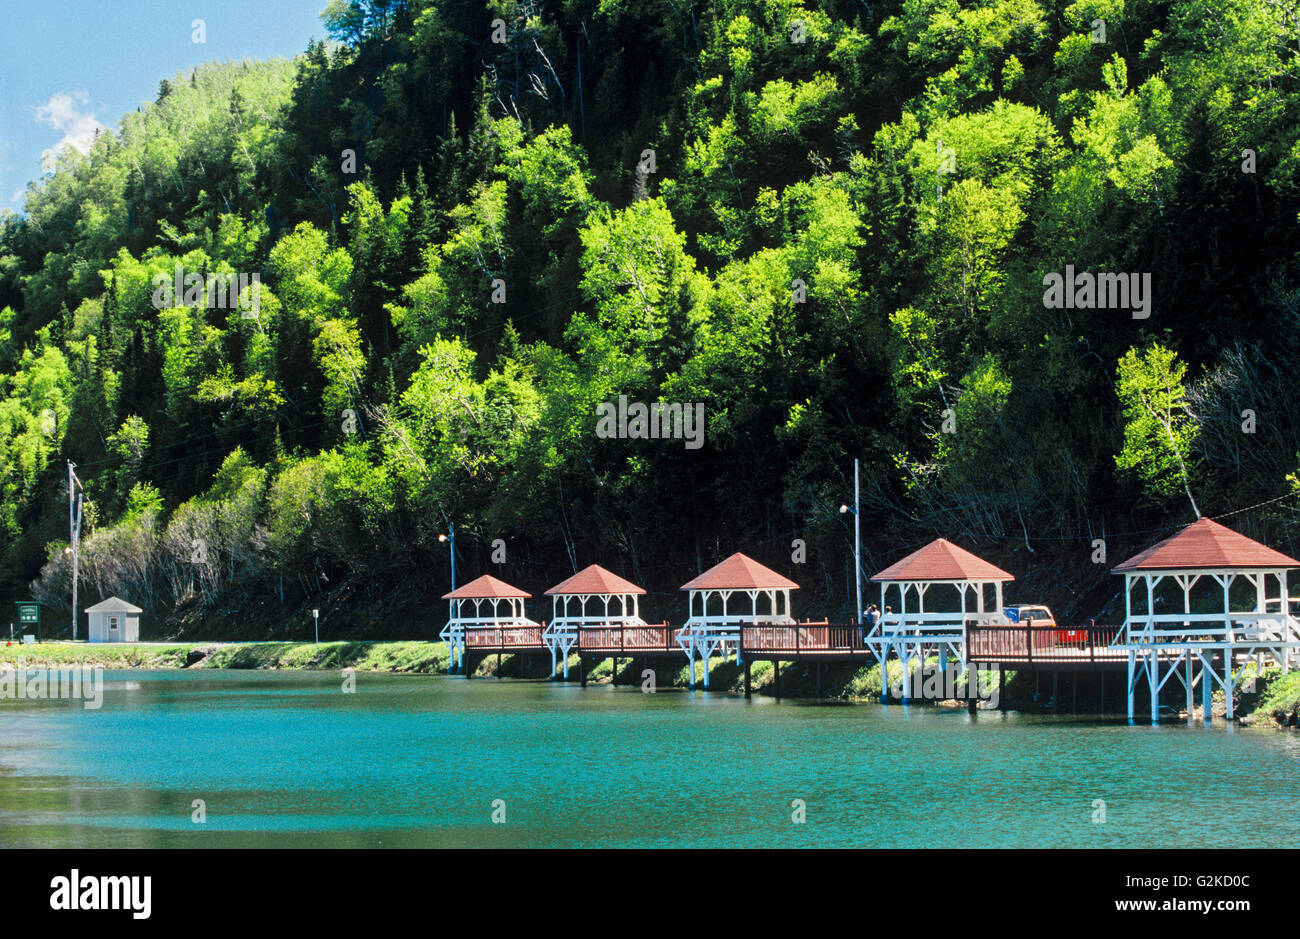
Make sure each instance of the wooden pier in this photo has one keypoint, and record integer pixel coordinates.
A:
(949, 611)
(1037, 648)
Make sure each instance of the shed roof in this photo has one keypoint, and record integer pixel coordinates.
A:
(941, 560)
(1202, 545)
(486, 587)
(739, 572)
(594, 580)
(113, 605)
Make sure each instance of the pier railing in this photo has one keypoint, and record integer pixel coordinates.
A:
(503, 637)
(1003, 643)
(803, 639)
(630, 640)
(1027, 644)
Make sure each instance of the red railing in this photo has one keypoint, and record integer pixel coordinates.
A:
(1045, 643)
(503, 637)
(1009, 643)
(627, 639)
(803, 638)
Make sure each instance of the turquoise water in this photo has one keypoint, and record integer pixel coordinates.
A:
(287, 759)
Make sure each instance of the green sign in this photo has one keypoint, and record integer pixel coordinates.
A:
(29, 616)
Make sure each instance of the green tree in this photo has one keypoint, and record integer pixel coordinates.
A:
(1159, 431)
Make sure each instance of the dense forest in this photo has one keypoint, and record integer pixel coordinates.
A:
(831, 223)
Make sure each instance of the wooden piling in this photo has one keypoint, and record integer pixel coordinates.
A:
(748, 693)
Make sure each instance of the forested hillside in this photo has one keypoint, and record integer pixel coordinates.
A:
(831, 223)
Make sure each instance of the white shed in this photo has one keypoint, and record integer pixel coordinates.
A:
(114, 620)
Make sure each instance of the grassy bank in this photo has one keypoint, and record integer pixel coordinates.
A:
(363, 656)
(840, 682)
(419, 657)
(116, 655)
(1275, 700)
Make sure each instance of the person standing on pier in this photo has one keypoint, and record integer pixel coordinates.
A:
(869, 620)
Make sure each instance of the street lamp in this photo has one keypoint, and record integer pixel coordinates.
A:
(450, 538)
(74, 534)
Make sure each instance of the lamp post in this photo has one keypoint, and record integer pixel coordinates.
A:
(857, 539)
(74, 534)
(450, 538)
(315, 615)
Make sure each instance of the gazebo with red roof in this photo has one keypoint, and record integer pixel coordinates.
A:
(708, 632)
(591, 583)
(1215, 629)
(488, 595)
(911, 631)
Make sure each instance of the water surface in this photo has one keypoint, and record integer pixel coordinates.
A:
(288, 759)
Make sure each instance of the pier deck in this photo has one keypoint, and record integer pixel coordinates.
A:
(1040, 647)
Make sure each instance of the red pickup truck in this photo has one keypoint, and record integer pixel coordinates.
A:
(1037, 615)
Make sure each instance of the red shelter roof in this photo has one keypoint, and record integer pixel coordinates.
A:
(486, 587)
(594, 580)
(941, 560)
(1206, 544)
(739, 572)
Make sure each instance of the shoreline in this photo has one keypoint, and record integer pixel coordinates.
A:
(1276, 704)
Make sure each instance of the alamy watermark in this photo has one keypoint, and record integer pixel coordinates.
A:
(79, 891)
(931, 683)
(214, 291)
(1088, 291)
(656, 421)
(84, 683)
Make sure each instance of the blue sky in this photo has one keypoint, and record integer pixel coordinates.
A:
(69, 66)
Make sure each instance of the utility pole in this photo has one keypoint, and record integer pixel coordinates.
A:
(458, 635)
(857, 539)
(75, 494)
(450, 539)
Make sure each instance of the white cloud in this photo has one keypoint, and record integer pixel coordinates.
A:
(69, 114)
